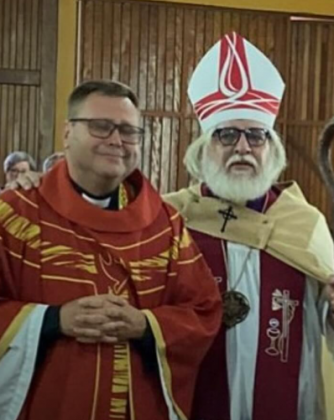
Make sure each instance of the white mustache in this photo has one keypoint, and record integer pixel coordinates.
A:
(245, 159)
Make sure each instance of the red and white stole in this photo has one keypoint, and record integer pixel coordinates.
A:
(278, 359)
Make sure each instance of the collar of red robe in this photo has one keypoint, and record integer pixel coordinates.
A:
(59, 193)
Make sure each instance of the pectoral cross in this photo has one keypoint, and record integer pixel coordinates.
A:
(227, 216)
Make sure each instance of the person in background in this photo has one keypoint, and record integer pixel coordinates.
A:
(17, 163)
(51, 160)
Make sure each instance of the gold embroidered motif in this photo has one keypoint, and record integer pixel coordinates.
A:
(56, 253)
(19, 227)
(106, 263)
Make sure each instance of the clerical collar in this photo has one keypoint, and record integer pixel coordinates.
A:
(108, 201)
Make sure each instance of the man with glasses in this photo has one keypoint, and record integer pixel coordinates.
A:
(271, 252)
(107, 306)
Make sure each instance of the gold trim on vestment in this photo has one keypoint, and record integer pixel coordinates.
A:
(120, 382)
(97, 382)
(14, 327)
(161, 348)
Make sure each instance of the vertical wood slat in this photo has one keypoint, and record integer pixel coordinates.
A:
(2, 29)
(185, 62)
(161, 60)
(28, 35)
(12, 40)
(173, 158)
(125, 46)
(86, 16)
(106, 39)
(170, 59)
(163, 43)
(36, 17)
(97, 40)
(152, 59)
(135, 48)
(146, 147)
(20, 35)
(45, 139)
(165, 152)
(6, 34)
(117, 31)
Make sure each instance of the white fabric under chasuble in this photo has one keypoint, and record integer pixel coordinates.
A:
(242, 341)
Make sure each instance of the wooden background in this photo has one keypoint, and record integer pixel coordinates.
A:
(28, 52)
(154, 48)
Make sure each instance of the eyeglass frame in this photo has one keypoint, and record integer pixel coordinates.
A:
(246, 133)
(141, 132)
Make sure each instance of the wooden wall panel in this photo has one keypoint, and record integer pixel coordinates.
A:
(309, 99)
(28, 33)
(154, 47)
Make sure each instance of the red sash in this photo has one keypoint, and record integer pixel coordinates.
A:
(280, 343)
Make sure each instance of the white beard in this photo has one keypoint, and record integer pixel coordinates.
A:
(240, 188)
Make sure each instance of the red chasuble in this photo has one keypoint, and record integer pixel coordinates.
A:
(57, 247)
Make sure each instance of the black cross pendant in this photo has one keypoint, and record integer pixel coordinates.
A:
(227, 216)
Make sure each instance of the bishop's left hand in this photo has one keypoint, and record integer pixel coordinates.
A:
(126, 323)
(329, 289)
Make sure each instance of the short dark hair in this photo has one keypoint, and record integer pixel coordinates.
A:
(101, 87)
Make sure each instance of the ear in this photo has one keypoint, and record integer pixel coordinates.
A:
(66, 134)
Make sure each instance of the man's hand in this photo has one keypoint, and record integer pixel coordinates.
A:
(126, 323)
(80, 321)
(330, 297)
(27, 181)
(103, 318)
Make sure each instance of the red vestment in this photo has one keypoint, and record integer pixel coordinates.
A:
(57, 247)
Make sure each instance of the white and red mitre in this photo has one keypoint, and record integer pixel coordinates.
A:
(235, 80)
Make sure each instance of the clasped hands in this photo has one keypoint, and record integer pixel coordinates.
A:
(102, 319)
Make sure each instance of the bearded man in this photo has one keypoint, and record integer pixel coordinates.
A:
(269, 250)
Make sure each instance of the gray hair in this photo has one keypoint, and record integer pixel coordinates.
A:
(51, 160)
(16, 157)
(194, 153)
